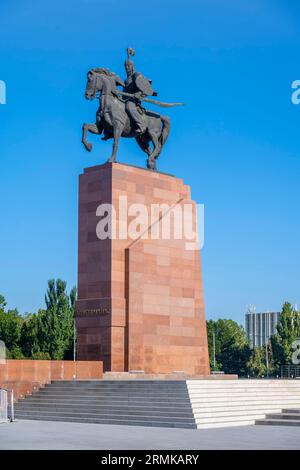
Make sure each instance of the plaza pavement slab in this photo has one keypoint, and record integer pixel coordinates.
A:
(48, 435)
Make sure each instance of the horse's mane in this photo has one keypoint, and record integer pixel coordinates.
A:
(112, 75)
(104, 71)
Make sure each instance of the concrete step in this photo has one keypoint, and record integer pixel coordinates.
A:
(107, 394)
(204, 389)
(117, 418)
(242, 384)
(123, 415)
(105, 405)
(121, 394)
(226, 424)
(100, 410)
(232, 407)
(96, 391)
(121, 382)
(291, 410)
(250, 418)
(121, 391)
(237, 413)
(106, 383)
(250, 382)
(277, 422)
(284, 402)
(118, 421)
(132, 386)
(100, 389)
(242, 389)
(245, 400)
(242, 393)
(110, 400)
(289, 416)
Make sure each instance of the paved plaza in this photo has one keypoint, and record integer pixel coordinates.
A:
(71, 436)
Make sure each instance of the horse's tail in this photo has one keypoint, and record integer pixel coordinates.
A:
(165, 129)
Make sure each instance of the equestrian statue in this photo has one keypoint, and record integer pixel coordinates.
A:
(121, 114)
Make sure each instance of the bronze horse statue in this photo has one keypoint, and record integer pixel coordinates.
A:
(113, 120)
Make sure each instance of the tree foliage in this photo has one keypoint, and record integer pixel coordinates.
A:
(56, 323)
(257, 362)
(232, 349)
(47, 334)
(10, 329)
(288, 329)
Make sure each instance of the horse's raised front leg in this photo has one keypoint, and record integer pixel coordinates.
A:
(89, 128)
(118, 129)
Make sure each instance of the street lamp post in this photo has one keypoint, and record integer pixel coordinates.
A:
(214, 349)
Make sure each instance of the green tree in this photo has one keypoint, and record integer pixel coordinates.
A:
(30, 335)
(41, 356)
(56, 323)
(48, 334)
(69, 353)
(257, 362)
(288, 329)
(2, 303)
(15, 353)
(232, 349)
(10, 329)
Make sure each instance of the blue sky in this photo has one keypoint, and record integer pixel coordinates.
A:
(236, 142)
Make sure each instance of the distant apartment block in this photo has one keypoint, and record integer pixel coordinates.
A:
(260, 326)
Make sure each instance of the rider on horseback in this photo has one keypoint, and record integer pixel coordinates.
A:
(121, 114)
(139, 86)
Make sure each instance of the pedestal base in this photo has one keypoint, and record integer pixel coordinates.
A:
(140, 299)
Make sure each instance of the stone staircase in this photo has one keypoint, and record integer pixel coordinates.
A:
(166, 403)
(288, 417)
(141, 403)
(240, 402)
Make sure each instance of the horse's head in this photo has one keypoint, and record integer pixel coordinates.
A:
(102, 80)
(94, 84)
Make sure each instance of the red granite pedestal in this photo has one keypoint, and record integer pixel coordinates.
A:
(140, 299)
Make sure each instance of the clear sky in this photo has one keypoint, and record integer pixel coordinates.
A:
(236, 142)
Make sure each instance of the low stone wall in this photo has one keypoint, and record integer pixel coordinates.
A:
(21, 389)
(45, 371)
(25, 376)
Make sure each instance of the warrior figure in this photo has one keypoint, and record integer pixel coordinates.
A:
(140, 87)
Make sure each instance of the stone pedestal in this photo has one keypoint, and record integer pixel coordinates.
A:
(140, 298)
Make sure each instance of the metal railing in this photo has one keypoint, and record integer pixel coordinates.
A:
(290, 372)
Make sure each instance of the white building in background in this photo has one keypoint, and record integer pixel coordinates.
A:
(260, 326)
